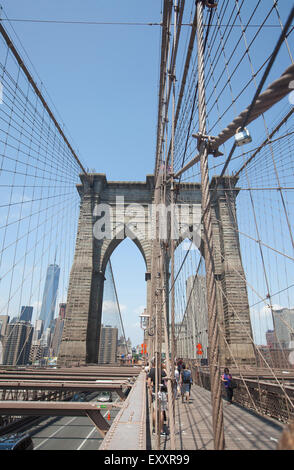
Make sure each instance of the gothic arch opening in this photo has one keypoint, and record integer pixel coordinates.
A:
(111, 245)
(129, 269)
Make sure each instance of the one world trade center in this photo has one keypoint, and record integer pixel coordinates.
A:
(49, 295)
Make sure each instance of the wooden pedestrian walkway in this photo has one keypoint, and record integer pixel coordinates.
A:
(243, 429)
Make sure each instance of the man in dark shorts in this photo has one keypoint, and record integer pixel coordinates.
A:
(162, 394)
(186, 382)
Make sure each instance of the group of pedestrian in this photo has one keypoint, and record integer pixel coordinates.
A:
(183, 382)
(182, 388)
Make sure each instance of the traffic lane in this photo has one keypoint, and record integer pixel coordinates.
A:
(68, 433)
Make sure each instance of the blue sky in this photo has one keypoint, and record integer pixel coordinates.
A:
(103, 80)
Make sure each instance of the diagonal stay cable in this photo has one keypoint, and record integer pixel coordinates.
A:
(257, 93)
(259, 104)
(11, 46)
(262, 81)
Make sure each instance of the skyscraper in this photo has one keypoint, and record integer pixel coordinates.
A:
(4, 320)
(108, 345)
(284, 325)
(49, 295)
(17, 343)
(56, 339)
(26, 313)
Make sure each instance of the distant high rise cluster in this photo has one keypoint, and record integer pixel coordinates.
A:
(21, 343)
(279, 349)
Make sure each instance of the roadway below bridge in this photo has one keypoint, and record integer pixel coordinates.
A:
(65, 425)
(69, 432)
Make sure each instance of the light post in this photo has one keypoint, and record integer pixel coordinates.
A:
(144, 324)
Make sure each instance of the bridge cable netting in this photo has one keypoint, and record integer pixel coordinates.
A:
(247, 58)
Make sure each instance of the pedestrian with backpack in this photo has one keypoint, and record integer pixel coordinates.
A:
(180, 365)
(229, 385)
(186, 382)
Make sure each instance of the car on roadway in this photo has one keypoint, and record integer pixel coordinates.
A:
(104, 396)
(16, 441)
(79, 397)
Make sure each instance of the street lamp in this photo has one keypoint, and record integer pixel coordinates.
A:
(144, 324)
(144, 320)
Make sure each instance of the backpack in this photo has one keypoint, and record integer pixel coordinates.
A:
(232, 384)
(186, 376)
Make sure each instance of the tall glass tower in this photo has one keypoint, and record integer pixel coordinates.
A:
(49, 295)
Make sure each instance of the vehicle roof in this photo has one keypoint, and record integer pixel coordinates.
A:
(12, 439)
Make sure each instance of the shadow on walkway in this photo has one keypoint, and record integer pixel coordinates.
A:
(244, 430)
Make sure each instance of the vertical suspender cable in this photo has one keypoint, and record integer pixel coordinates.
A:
(213, 332)
(172, 221)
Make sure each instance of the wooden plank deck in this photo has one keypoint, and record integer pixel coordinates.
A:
(244, 430)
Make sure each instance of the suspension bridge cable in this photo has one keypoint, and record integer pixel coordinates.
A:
(38, 92)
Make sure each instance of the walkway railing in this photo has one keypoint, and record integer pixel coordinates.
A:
(128, 430)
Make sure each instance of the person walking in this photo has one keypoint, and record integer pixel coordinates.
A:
(180, 364)
(186, 382)
(161, 395)
(227, 379)
(177, 381)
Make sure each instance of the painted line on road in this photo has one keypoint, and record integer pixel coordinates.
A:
(92, 431)
(86, 438)
(53, 434)
(66, 424)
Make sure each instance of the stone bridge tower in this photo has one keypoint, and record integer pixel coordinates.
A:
(110, 212)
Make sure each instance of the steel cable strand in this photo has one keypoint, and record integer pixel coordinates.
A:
(270, 146)
(274, 93)
(217, 417)
(260, 103)
(212, 321)
(38, 93)
(196, 89)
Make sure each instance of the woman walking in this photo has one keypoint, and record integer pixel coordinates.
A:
(227, 379)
